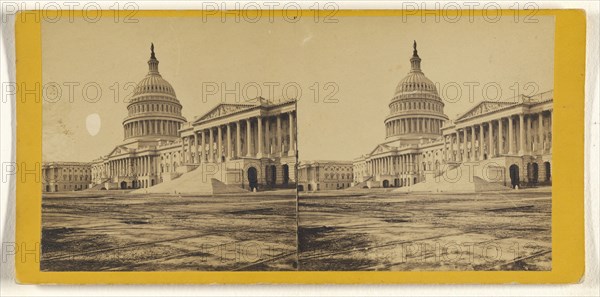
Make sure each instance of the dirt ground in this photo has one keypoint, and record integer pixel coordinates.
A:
(338, 230)
(367, 230)
(104, 231)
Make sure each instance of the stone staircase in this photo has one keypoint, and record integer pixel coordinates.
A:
(99, 186)
(360, 185)
(204, 180)
(458, 178)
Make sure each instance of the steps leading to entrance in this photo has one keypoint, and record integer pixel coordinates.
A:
(99, 186)
(361, 184)
(460, 178)
(204, 180)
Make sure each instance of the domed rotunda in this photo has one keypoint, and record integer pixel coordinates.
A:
(416, 110)
(154, 113)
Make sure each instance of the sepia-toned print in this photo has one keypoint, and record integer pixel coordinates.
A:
(369, 143)
(423, 188)
(180, 181)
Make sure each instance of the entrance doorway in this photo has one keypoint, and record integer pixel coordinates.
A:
(548, 172)
(514, 175)
(386, 183)
(270, 175)
(252, 178)
(123, 185)
(534, 173)
(286, 174)
(273, 173)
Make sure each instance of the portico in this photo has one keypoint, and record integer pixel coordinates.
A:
(260, 135)
(511, 138)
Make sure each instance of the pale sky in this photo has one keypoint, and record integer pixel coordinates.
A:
(362, 57)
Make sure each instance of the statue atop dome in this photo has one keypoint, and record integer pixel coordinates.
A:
(153, 62)
(415, 61)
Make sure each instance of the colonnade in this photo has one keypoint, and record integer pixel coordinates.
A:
(135, 166)
(257, 137)
(394, 165)
(152, 127)
(413, 125)
(519, 134)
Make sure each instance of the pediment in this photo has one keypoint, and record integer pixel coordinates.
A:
(483, 108)
(223, 110)
(381, 148)
(120, 149)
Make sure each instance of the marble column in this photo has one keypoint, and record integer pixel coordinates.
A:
(229, 148)
(464, 148)
(203, 146)
(259, 137)
(511, 147)
(481, 142)
(211, 155)
(490, 140)
(521, 134)
(238, 139)
(292, 147)
(196, 156)
(219, 144)
(248, 138)
(278, 134)
(267, 137)
(473, 154)
(541, 132)
(450, 151)
(500, 136)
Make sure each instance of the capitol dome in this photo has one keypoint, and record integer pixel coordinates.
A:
(415, 81)
(416, 110)
(152, 84)
(153, 112)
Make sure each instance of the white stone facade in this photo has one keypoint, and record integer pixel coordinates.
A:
(324, 175)
(252, 144)
(66, 176)
(508, 142)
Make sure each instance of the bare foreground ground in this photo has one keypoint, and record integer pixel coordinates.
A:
(338, 230)
(360, 230)
(104, 231)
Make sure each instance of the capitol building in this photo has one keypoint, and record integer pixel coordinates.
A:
(252, 145)
(249, 145)
(506, 142)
